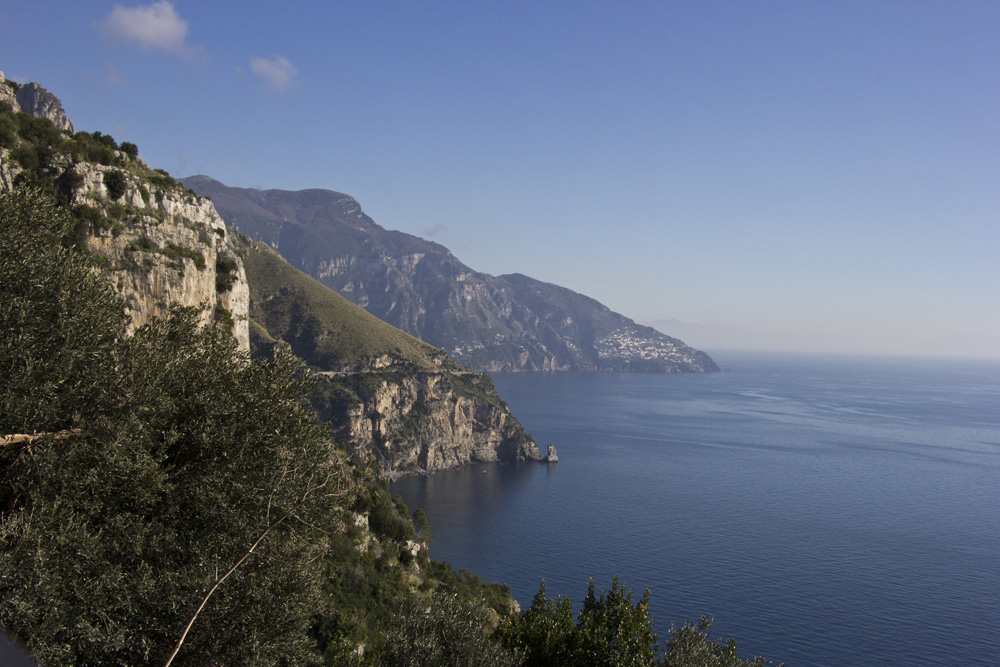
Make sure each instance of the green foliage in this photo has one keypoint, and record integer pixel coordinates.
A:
(611, 630)
(164, 458)
(174, 250)
(388, 519)
(131, 150)
(448, 632)
(225, 273)
(422, 525)
(545, 631)
(8, 129)
(162, 178)
(27, 157)
(38, 131)
(42, 150)
(69, 181)
(106, 139)
(469, 587)
(92, 147)
(116, 183)
(689, 646)
(62, 326)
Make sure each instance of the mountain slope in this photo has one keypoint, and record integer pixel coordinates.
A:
(387, 395)
(504, 323)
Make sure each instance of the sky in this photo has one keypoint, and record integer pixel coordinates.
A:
(803, 176)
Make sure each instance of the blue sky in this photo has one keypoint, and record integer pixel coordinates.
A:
(762, 175)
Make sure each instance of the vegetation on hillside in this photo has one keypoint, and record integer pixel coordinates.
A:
(136, 471)
(47, 155)
(322, 327)
(164, 499)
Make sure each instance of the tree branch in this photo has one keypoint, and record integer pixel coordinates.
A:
(217, 584)
(19, 438)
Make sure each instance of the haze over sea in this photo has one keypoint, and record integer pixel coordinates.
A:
(825, 510)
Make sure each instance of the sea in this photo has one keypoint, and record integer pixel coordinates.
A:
(825, 511)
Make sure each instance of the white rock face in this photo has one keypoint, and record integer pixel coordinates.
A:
(162, 245)
(7, 94)
(418, 424)
(166, 249)
(40, 103)
(35, 101)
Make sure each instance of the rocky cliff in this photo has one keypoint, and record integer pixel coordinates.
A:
(169, 248)
(388, 396)
(35, 101)
(418, 422)
(491, 323)
(161, 244)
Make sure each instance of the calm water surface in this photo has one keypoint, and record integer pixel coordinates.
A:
(825, 511)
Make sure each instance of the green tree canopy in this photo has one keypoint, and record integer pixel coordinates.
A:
(153, 465)
(611, 630)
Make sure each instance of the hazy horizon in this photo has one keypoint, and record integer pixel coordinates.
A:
(807, 177)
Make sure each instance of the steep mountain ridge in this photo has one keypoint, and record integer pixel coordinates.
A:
(491, 323)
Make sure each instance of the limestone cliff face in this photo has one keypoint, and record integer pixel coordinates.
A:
(38, 102)
(168, 247)
(160, 245)
(7, 93)
(420, 422)
(35, 101)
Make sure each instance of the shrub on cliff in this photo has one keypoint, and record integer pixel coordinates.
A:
(610, 631)
(447, 632)
(116, 184)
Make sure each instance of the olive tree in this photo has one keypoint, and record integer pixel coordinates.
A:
(161, 496)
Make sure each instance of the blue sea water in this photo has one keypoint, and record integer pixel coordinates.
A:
(825, 511)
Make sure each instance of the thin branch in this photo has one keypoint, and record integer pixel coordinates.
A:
(19, 438)
(217, 584)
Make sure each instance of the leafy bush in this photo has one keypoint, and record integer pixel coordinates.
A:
(447, 632)
(612, 631)
(225, 273)
(116, 183)
(8, 131)
(385, 518)
(157, 463)
(175, 250)
(130, 149)
(69, 181)
(162, 178)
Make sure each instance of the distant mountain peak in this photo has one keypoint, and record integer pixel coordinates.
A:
(490, 323)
